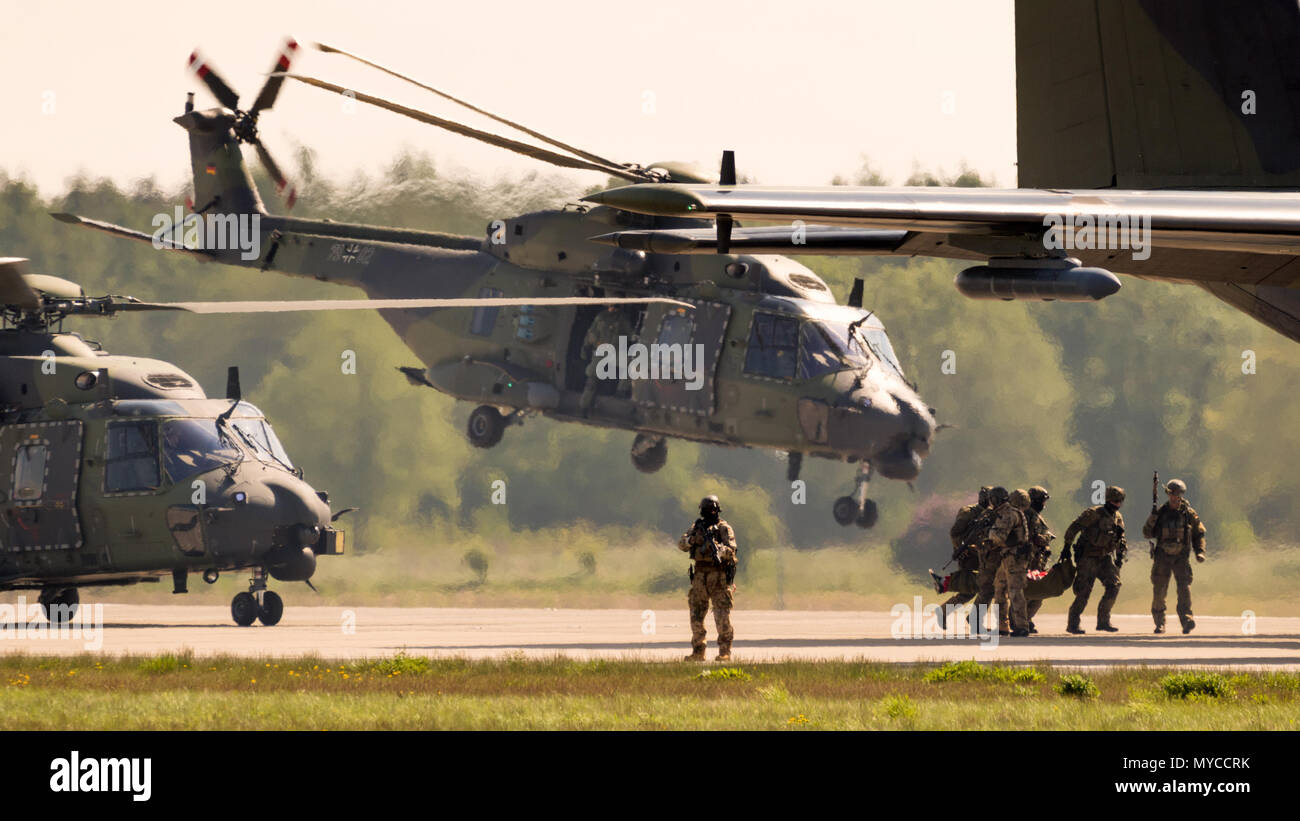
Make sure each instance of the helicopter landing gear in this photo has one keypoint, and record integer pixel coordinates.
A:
(857, 508)
(649, 452)
(486, 425)
(59, 604)
(258, 604)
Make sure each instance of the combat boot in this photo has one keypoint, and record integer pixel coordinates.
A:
(1160, 628)
(724, 652)
(1189, 626)
(1108, 628)
(1073, 627)
(697, 654)
(1019, 633)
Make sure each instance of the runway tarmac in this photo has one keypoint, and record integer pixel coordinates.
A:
(367, 632)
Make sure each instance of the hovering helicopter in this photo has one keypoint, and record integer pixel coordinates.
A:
(119, 469)
(784, 365)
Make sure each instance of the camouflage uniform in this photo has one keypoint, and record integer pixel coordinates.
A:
(989, 558)
(1101, 535)
(606, 328)
(709, 584)
(1040, 536)
(966, 537)
(1178, 533)
(1009, 537)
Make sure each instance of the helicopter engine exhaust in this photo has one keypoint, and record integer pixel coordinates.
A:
(1041, 280)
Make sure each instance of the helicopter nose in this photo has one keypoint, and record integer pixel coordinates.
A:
(276, 518)
(913, 429)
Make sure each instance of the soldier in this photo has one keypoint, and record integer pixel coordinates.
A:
(1178, 533)
(989, 558)
(1009, 537)
(1101, 533)
(606, 328)
(1040, 537)
(965, 537)
(711, 543)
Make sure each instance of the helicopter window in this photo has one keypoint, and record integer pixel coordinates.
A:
(132, 463)
(675, 330)
(263, 440)
(29, 472)
(485, 316)
(818, 354)
(773, 346)
(878, 340)
(193, 446)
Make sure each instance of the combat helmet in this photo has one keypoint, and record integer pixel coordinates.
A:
(1114, 495)
(998, 495)
(710, 504)
(984, 495)
(1176, 486)
(1038, 494)
(1019, 499)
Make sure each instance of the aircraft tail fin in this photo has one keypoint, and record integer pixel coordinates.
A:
(1158, 94)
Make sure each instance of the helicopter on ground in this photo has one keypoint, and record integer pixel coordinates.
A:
(784, 366)
(119, 469)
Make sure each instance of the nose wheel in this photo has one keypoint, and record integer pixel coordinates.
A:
(258, 604)
(857, 508)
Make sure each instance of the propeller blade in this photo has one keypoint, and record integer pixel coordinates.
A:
(287, 191)
(270, 89)
(14, 289)
(281, 306)
(724, 224)
(586, 155)
(223, 92)
(474, 133)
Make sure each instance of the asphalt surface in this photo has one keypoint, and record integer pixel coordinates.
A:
(335, 632)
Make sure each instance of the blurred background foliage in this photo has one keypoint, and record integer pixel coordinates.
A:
(1062, 395)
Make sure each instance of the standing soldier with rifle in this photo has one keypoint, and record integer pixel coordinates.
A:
(1100, 531)
(1178, 533)
(711, 544)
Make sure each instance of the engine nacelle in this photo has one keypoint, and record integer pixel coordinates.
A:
(1044, 280)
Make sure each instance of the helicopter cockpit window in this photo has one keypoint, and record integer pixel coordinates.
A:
(818, 354)
(193, 446)
(29, 472)
(259, 436)
(485, 316)
(773, 346)
(879, 342)
(132, 459)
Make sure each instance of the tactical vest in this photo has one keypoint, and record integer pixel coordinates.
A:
(1173, 528)
(1102, 535)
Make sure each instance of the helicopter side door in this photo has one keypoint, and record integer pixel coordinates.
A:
(39, 471)
(692, 339)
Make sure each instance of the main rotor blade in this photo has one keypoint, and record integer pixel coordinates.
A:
(282, 306)
(266, 97)
(473, 133)
(14, 290)
(586, 155)
(223, 92)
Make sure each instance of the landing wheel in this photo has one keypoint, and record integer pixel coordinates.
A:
(845, 510)
(868, 515)
(59, 604)
(486, 424)
(649, 453)
(271, 610)
(243, 609)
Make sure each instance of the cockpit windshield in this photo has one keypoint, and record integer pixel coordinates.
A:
(257, 434)
(819, 342)
(192, 446)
